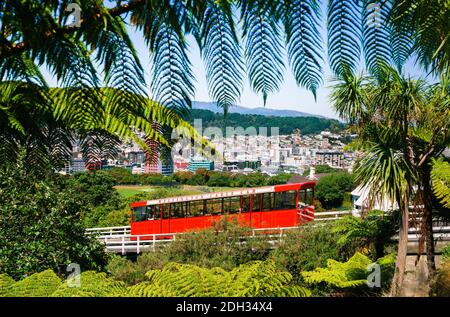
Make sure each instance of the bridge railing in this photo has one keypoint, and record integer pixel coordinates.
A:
(330, 215)
(136, 243)
(109, 231)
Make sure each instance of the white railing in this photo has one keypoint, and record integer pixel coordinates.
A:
(120, 240)
(109, 231)
(331, 215)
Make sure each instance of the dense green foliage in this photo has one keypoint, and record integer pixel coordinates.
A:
(41, 227)
(319, 169)
(440, 174)
(308, 248)
(247, 280)
(226, 245)
(446, 253)
(440, 285)
(352, 274)
(253, 279)
(221, 261)
(371, 233)
(200, 177)
(331, 189)
(286, 125)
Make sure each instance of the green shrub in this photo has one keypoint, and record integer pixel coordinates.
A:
(371, 234)
(41, 226)
(259, 278)
(440, 285)
(6, 282)
(41, 284)
(92, 284)
(307, 248)
(226, 245)
(132, 273)
(331, 189)
(351, 275)
(446, 253)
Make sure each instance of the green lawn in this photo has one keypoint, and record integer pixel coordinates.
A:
(128, 191)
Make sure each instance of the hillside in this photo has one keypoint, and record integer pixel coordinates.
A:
(211, 106)
(307, 125)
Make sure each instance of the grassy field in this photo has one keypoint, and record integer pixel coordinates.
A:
(131, 190)
(128, 191)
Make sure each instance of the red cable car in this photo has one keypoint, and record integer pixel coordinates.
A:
(261, 207)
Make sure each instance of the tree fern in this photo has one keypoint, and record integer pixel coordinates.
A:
(263, 47)
(6, 282)
(401, 45)
(221, 53)
(344, 32)
(350, 274)
(301, 20)
(376, 35)
(41, 284)
(440, 175)
(92, 284)
(251, 279)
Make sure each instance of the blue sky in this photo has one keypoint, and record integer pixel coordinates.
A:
(290, 96)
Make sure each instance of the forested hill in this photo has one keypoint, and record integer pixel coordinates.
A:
(307, 125)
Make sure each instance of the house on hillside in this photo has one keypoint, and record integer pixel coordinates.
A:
(361, 198)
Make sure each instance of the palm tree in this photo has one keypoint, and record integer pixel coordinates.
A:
(402, 125)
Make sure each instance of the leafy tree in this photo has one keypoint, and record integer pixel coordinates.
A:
(94, 189)
(319, 169)
(308, 248)
(331, 189)
(41, 227)
(402, 125)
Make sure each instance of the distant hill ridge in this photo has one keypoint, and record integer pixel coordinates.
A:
(285, 124)
(211, 106)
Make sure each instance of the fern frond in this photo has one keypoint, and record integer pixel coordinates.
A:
(41, 284)
(344, 32)
(92, 284)
(222, 54)
(6, 283)
(376, 35)
(251, 279)
(440, 176)
(302, 23)
(172, 84)
(263, 47)
(341, 275)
